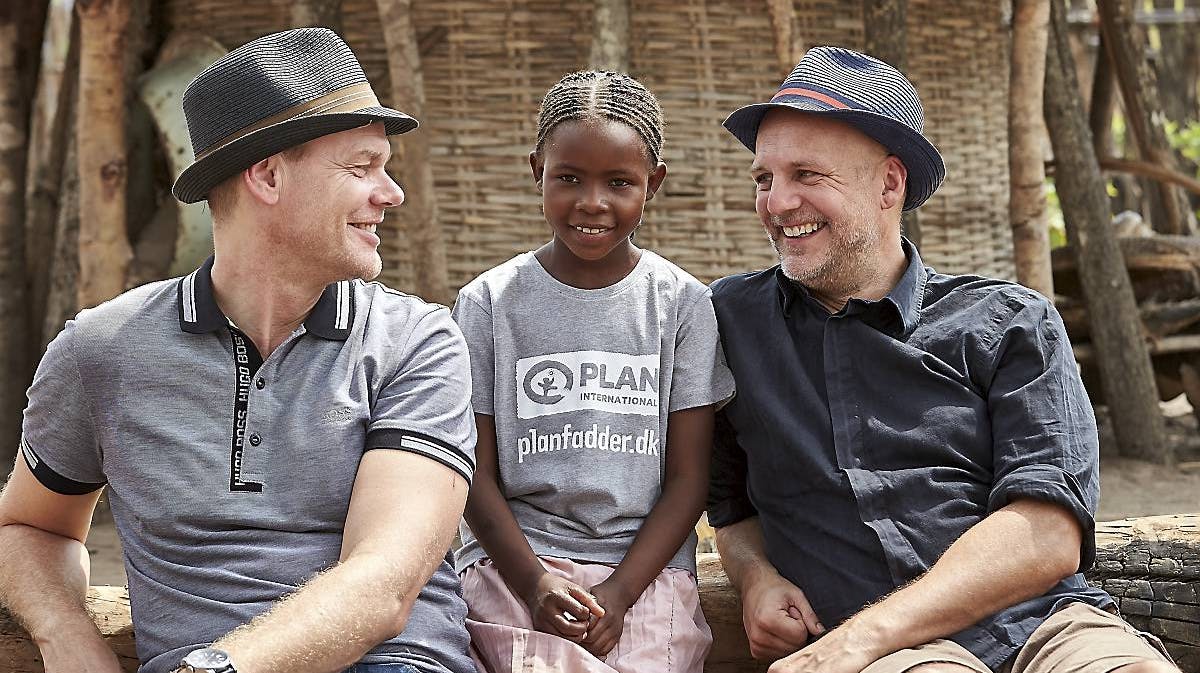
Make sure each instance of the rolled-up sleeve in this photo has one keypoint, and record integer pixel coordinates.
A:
(1045, 444)
(728, 500)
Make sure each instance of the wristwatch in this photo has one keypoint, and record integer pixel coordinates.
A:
(206, 660)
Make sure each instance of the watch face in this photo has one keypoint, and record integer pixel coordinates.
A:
(207, 659)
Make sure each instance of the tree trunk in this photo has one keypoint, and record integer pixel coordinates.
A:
(885, 36)
(1123, 358)
(104, 251)
(1126, 47)
(327, 13)
(44, 189)
(610, 36)
(21, 29)
(411, 161)
(1026, 167)
(1175, 68)
(160, 88)
(62, 296)
(1103, 104)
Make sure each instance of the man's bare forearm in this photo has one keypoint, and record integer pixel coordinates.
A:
(43, 583)
(395, 537)
(333, 620)
(743, 553)
(1017, 553)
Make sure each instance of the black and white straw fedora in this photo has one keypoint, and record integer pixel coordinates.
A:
(276, 92)
(866, 93)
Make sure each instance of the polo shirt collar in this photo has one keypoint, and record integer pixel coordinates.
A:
(331, 318)
(897, 314)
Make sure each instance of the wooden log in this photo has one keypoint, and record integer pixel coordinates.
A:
(1151, 565)
(109, 607)
(1124, 363)
(1159, 321)
(1161, 268)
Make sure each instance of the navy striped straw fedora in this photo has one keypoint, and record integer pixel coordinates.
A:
(865, 93)
(276, 92)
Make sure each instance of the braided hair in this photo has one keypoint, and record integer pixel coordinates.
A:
(602, 94)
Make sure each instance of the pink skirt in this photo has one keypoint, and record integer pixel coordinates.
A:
(664, 630)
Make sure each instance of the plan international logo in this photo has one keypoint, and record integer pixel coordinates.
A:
(596, 380)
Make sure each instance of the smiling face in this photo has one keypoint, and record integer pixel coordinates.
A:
(595, 176)
(334, 197)
(829, 200)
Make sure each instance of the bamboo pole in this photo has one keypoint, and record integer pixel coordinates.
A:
(610, 36)
(783, 20)
(1026, 168)
(412, 162)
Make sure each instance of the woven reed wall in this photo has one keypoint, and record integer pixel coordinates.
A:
(485, 75)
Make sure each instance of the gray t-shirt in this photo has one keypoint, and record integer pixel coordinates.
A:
(580, 383)
(229, 481)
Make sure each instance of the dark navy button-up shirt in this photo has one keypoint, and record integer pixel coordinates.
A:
(867, 441)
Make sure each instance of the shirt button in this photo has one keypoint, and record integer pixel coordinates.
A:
(255, 440)
(260, 383)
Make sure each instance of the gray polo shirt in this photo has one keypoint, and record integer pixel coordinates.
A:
(230, 477)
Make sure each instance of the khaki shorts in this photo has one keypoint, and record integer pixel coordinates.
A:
(1078, 637)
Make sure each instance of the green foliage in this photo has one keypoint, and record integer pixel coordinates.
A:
(1185, 139)
(1054, 216)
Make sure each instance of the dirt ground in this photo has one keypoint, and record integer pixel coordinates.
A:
(1127, 488)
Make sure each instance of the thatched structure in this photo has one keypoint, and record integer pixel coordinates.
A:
(485, 65)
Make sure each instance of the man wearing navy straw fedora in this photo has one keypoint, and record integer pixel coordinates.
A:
(287, 448)
(907, 476)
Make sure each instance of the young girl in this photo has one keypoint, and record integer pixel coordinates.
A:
(595, 369)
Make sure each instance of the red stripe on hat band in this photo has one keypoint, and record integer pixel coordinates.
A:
(808, 93)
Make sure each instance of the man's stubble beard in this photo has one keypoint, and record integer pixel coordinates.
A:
(841, 270)
(335, 262)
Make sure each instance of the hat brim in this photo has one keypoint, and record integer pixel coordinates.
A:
(195, 182)
(926, 170)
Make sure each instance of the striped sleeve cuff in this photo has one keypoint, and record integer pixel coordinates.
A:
(407, 440)
(53, 480)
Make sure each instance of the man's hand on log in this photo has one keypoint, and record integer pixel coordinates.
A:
(777, 616)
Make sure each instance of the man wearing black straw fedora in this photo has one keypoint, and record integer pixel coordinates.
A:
(907, 476)
(287, 448)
